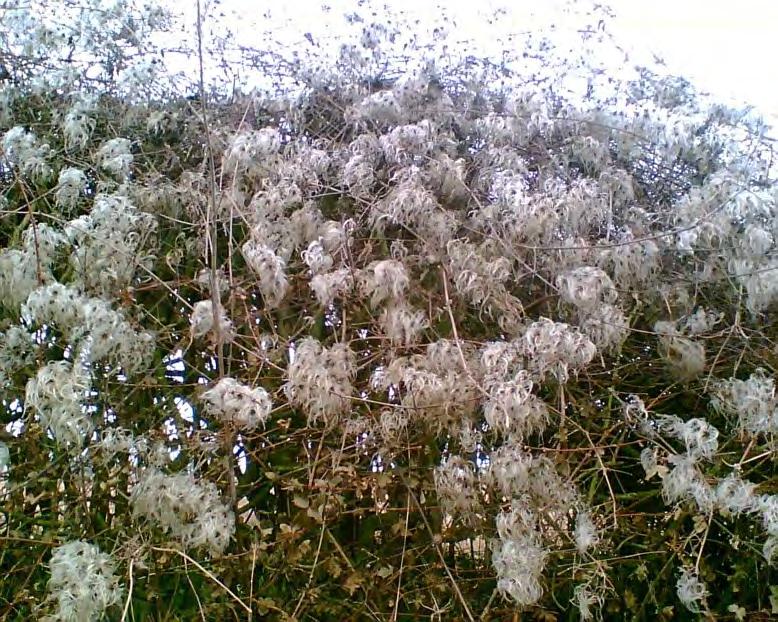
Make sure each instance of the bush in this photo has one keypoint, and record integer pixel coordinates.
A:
(453, 341)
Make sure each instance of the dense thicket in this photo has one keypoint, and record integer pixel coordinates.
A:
(404, 333)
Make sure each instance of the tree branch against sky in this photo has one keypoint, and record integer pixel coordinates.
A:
(723, 46)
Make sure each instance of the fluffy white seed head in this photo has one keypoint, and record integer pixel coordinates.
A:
(55, 304)
(633, 263)
(115, 157)
(384, 280)
(555, 348)
(753, 401)
(238, 404)
(767, 506)
(201, 321)
(270, 268)
(700, 322)
(606, 326)
(684, 356)
(691, 591)
(57, 394)
(89, 324)
(735, 495)
(254, 152)
(115, 441)
(109, 244)
(78, 125)
(684, 481)
(509, 470)
(190, 511)
(518, 556)
(585, 599)
(327, 287)
(17, 350)
(585, 533)
(392, 425)
(70, 187)
(408, 143)
(456, 486)
(401, 323)
(519, 522)
(650, 464)
(320, 380)
(699, 437)
(23, 150)
(83, 584)
(512, 409)
(19, 275)
(498, 359)
(585, 287)
(316, 258)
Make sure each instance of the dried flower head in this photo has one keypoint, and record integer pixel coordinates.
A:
(238, 404)
(57, 394)
(385, 280)
(586, 534)
(70, 187)
(457, 487)
(82, 583)
(691, 591)
(699, 437)
(685, 356)
(585, 287)
(115, 157)
(327, 287)
(271, 270)
(606, 326)
(518, 555)
(401, 323)
(512, 409)
(584, 598)
(190, 511)
(555, 348)
(509, 470)
(201, 321)
(753, 401)
(319, 379)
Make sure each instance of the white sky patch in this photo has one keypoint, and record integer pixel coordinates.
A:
(723, 47)
(726, 47)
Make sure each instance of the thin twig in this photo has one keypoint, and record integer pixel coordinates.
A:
(206, 572)
(194, 591)
(435, 544)
(251, 583)
(702, 544)
(211, 232)
(402, 559)
(129, 593)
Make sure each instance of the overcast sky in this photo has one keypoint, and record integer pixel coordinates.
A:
(729, 47)
(726, 47)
